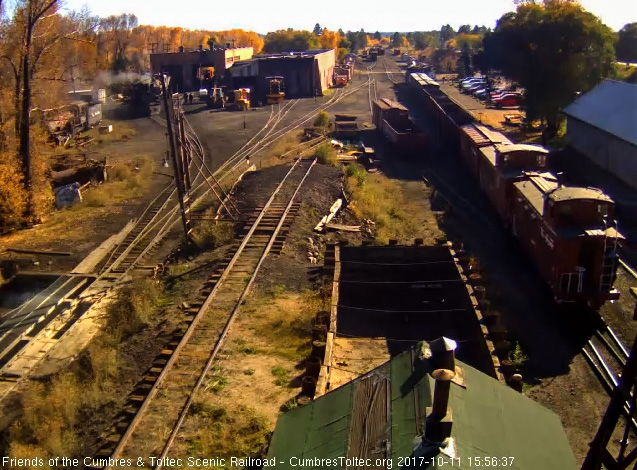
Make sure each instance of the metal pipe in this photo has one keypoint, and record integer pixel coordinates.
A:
(443, 379)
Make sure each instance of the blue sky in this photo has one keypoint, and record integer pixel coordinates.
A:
(268, 15)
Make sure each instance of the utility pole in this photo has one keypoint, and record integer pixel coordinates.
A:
(598, 452)
(179, 180)
(185, 156)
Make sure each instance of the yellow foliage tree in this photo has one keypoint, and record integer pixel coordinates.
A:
(329, 39)
(371, 42)
(473, 40)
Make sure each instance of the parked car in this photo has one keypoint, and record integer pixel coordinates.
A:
(474, 83)
(471, 81)
(481, 94)
(508, 100)
(502, 92)
(475, 87)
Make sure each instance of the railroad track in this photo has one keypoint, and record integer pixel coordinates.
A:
(607, 357)
(183, 365)
(371, 89)
(163, 212)
(158, 219)
(390, 75)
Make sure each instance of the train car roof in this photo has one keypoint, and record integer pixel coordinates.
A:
(423, 79)
(386, 103)
(482, 135)
(565, 193)
(540, 186)
(430, 81)
(535, 189)
(521, 147)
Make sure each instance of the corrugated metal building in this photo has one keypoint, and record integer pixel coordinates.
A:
(602, 125)
(183, 67)
(391, 413)
(304, 73)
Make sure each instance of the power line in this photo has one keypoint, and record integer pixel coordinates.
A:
(396, 264)
(403, 311)
(341, 281)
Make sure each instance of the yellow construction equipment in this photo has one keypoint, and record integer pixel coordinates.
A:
(276, 94)
(242, 99)
(216, 98)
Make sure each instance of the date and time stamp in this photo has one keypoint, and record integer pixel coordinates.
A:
(438, 461)
(457, 462)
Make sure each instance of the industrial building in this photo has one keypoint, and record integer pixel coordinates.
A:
(422, 409)
(304, 73)
(601, 126)
(185, 67)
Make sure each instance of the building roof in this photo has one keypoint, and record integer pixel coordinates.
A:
(383, 415)
(292, 54)
(611, 106)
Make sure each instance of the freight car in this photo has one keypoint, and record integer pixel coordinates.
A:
(446, 115)
(69, 119)
(569, 232)
(392, 120)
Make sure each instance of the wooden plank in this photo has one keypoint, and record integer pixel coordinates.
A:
(344, 228)
(333, 210)
(335, 282)
(39, 252)
(88, 264)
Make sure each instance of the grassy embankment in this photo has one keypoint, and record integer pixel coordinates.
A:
(399, 209)
(55, 415)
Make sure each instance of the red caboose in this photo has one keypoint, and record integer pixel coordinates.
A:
(571, 234)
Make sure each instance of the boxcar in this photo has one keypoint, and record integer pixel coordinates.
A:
(392, 120)
(568, 232)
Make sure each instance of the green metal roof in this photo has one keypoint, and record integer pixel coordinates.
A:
(382, 415)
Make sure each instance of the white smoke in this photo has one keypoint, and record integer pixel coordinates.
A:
(106, 79)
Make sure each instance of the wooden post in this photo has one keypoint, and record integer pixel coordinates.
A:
(173, 153)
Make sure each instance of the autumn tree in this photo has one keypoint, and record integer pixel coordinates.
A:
(38, 28)
(118, 31)
(377, 36)
(329, 39)
(554, 50)
(317, 29)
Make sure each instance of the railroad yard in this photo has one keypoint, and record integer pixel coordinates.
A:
(261, 312)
